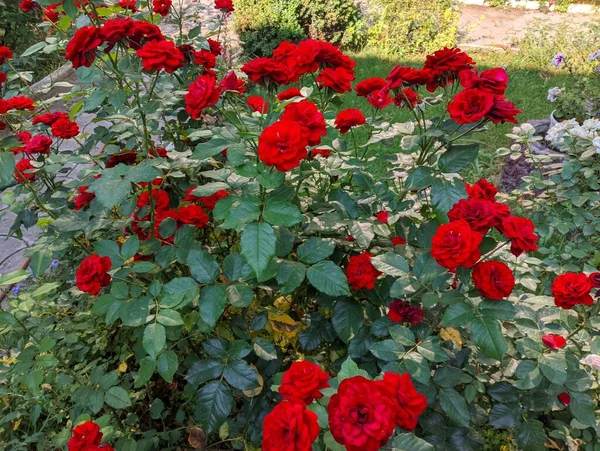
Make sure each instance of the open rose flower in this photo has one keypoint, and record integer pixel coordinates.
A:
(456, 244)
(410, 403)
(493, 279)
(482, 190)
(283, 145)
(338, 80)
(470, 105)
(65, 128)
(402, 311)
(194, 215)
(92, 274)
(258, 104)
(360, 272)
(81, 49)
(202, 93)
(159, 55)
(289, 426)
(309, 117)
(349, 118)
(23, 171)
(303, 381)
(570, 289)
(520, 233)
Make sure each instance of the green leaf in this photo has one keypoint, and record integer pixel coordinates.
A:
(328, 278)
(212, 303)
(40, 261)
(426, 268)
(235, 267)
(167, 365)
(347, 319)
(391, 264)
(168, 317)
(240, 295)
(154, 339)
(33, 49)
(70, 8)
(402, 335)
(281, 213)
(111, 189)
(96, 401)
(529, 348)
(203, 371)
(210, 148)
(487, 335)
(505, 416)
(258, 245)
(458, 157)
(7, 168)
(117, 397)
(362, 232)
(445, 193)
(209, 188)
(388, 350)
(430, 349)
(583, 408)
(179, 292)
(290, 275)
(458, 315)
(130, 247)
(14, 277)
(214, 402)
(264, 349)
(410, 442)
(554, 367)
(530, 435)
(145, 372)
(110, 249)
(350, 369)
(240, 375)
(203, 266)
(420, 178)
(503, 310)
(315, 249)
(455, 406)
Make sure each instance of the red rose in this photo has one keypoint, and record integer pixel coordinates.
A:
(160, 199)
(205, 58)
(2, 125)
(201, 94)
(402, 311)
(398, 241)
(554, 341)
(565, 398)
(128, 4)
(128, 157)
(410, 403)
(520, 233)
(38, 144)
(502, 111)
(231, 82)
(491, 80)
(194, 215)
(300, 59)
(406, 97)
(92, 274)
(445, 64)
(350, 238)
(325, 153)
(225, 5)
(346, 119)
(261, 70)
(570, 289)
(86, 436)
(258, 104)
(382, 216)
(142, 32)
(49, 118)
(595, 279)
(338, 80)
(482, 190)
(360, 272)
(369, 85)
(3, 77)
(28, 5)
(115, 30)
(81, 49)
(157, 55)
(288, 94)
(208, 202)
(362, 414)
(329, 55)
(309, 117)
(470, 105)
(493, 279)
(50, 14)
(24, 137)
(5, 54)
(161, 7)
(64, 128)
(283, 145)
(407, 76)
(481, 214)
(456, 244)
(289, 426)
(20, 171)
(159, 152)
(380, 99)
(303, 381)
(84, 198)
(20, 103)
(215, 46)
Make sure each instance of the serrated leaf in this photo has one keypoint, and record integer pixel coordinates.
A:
(240, 375)
(203, 266)
(455, 406)
(154, 340)
(240, 295)
(328, 278)
(264, 349)
(145, 372)
(458, 315)
(458, 157)
(315, 249)
(258, 243)
(212, 303)
(410, 442)
(117, 398)
(347, 319)
(203, 371)
(214, 403)
(282, 213)
(167, 365)
(530, 435)
(487, 335)
(391, 264)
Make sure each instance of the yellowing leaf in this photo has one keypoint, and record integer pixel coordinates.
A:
(16, 424)
(122, 368)
(283, 303)
(448, 333)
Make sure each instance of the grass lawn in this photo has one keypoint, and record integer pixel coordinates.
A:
(527, 88)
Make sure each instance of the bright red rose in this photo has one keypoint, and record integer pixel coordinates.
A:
(161, 7)
(303, 381)
(407, 76)
(84, 198)
(50, 14)
(482, 190)
(5, 54)
(402, 311)
(128, 158)
(380, 99)
(456, 244)
(369, 85)
(81, 49)
(3, 77)
(493, 279)
(362, 414)
(64, 128)
(325, 153)
(115, 30)
(208, 202)
(502, 111)
(142, 32)
(565, 398)
(554, 341)
(398, 241)
(309, 117)
(348, 118)
(470, 105)
(481, 214)
(28, 5)
(288, 94)
(410, 402)
(445, 64)
(215, 46)
(262, 70)
(258, 104)
(360, 272)
(283, 145)
(202, 93)
(406, 97)
(49, 118)
(20, 168)
(38, 144)
(128, 4)
(595, 279)
(20, 103)
(289, 427)
(491, 80)
(160, 197)
(85, 436)
(92, 274)
(329, 55)
(205, 58)
(224, 5)
(157, 55)
(338, 80)
(520, 233)
(570, 289)
(382, 216)
(24, 137)
(231, 82)
(194, 215)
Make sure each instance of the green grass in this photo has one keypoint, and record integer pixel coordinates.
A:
(527, 89)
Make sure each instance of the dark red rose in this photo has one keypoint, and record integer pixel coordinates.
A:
(283, 145)
(85, 436)
(482, 190)
(231, 82)
(262, 70)
(407, 76)
(303, 381)
(128, 158)
(350, 238)
(369, 85)
(398, 241)
(84, 198)
(215, 47)
(20, 103)
(5, 54)
(38, 144)
(157, 55)
(565, 398)
(49, 118)
(330, 55)
(470, 105)
(481, 214)
(595, 279)
(410, 403)
(2, 125)
(142, 32)
(520, 233)
(289, 426)
(303, 59)
(24, 137)
(325, 153)
(502, 111)
(258, 103)
(92, 274)
(338, 80)
(456, 244)
(161, 7)
(382, 216)
(81, 49)
(194, 215)
(128, 4)
(360, 272)
(445, 65)
(402, 311)
(205, 58)
(160, 197)
(64, 128)
(491, 80)
(159, 152)
(224, 5)
(3, 77)
(202, 93)
(307, 114)
(570, 289)
(406, 97)
(362, 414)
(348, 118)
(20, 171)
(554, 341)
(115, 30)
(28, 5)
(493, 279)
(288, 94)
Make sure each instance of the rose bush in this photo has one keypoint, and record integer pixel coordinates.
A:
(233, 274)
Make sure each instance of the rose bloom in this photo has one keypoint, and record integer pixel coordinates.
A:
(555, 342)
(301, 58)
(595, 279)
(2, 125)
(369, 85)
(24, 137)
(92, 274)
(407, 76)
(49, 118)
(194, 215)
(283, 145)
(382, 216)
(128, 158)
(208, 202)
(445, 64)
(215, 46)
(520, 233)
(493, 81)
(5, 54)
(115, 30)
(258, 104)
(38, 144)
(128, 4)
(85, 436)
(64, 128)
(50, 14)
(570, 289)
(338, 80)
(481, 214)
(303, 381)
(231, 82)
(288, 94)
(380, 99)
(27, 6)
(261, 70)
(493, 279)
(289, 427)
(348, 118)
(564, 398)
(157, 55)
(398, 240)
(205, 58)
(201, 94)
(402, 311)
(406, 97)
(309, 117)
(482, 190)
(502, 111)
(20, 103)
(592, 360)
(3, 77)
(360, 272)
(325, 153)
(470, 105)
(81, 49)
(161, 7)
(142, 32)
(410, 402)
(84, 198)
(159, 196)
(20, 168)
(362, 414)
(456, 244)
(224, 5)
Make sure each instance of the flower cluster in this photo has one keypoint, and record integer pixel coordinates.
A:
(579, 140)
